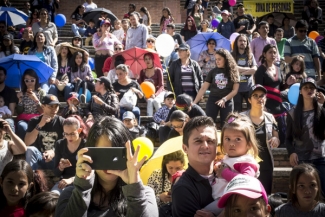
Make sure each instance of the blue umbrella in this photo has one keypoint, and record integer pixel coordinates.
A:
(199, 43)
(12, 16)
(16, 65)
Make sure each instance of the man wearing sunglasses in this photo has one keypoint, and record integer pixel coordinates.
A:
(300, 44)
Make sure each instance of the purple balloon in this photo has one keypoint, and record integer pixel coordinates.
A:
(215, 23)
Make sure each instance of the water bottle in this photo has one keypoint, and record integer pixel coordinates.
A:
(176, 42)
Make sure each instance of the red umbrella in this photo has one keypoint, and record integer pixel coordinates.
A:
(134, 58)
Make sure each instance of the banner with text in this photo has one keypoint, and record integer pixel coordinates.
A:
(258, 9)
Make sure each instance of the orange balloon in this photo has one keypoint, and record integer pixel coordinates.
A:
(313, 35)
(148, 89)
(232, 45)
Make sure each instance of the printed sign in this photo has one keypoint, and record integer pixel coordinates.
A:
(258, 9)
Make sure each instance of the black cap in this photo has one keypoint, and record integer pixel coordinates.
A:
(183, 46)
(105, 80)
(171, 25)
(240, 5)
(50, 99)
(183, 101)
(256, 87)
(76, 36)
(169, 94)
(306, 81)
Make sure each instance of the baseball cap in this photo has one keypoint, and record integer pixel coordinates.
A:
(105, 22)
(50, 99)
(306, 81)
(8, 37)
(105, 80)
(128, 115)
(73, 95)
(225, 12)
(183, 46)
(169, 94)
(256, 87)
(240, 5)
(76, 36)
(244, 185)
(183, 101)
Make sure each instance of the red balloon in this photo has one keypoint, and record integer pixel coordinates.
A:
(148, 89)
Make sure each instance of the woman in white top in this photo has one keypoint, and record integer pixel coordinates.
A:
(89, 5)
(146, 18)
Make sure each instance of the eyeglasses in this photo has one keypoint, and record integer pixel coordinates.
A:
(150, 41)
(29, 80)
(308, 87)
(256, 96)
(178, 127)
(302, 30)
(118, 48)
(70, 134)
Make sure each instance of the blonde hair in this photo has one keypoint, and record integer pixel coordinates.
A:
(242, 123)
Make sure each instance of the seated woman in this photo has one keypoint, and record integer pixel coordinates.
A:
(75, 133)
(112, 76)
(161, 180)
(27, 41)
(8, 46)
(124, 84)
(107, 192)
(29, 99)
(154, 75)
(178, 120)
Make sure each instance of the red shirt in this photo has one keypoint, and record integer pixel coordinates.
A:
(107, 64)
(13, 211)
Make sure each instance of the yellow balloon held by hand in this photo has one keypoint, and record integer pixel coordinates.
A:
(146, 147)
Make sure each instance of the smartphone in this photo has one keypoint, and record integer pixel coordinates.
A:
(107, 158)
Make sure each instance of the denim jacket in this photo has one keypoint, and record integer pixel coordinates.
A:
(50, 58)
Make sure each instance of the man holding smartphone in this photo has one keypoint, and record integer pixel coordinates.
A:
(41, 134)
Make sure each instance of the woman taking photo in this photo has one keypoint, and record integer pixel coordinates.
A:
(124, 84)
(29, 99)
(189, 30)
(154, 75)
(161, 180)
(207, 60)
(270, 76)
(185, 74)
(47, 55)
(108, 192)
(305, 138)
(48, 28)
(223, 82)
(266, 133)
(103, 42)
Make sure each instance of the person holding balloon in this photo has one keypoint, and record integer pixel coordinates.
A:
(153, 75)
(305, 138)
(226, 26)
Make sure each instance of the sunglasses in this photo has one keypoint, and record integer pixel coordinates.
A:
(77, 39)
(118, 48)
(302, 31)
(178, 127)
(256, 96)
(29, 80)
(150, 41)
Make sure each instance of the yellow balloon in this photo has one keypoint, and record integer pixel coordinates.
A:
(146, 147)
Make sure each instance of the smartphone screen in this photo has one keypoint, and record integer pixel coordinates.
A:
(107, 158)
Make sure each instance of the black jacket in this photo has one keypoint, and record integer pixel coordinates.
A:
(176, 76)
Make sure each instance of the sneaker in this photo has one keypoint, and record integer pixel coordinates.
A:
(82, 98)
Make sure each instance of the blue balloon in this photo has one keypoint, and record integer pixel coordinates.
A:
(91, 63)
(60, 20)
(88, 95)
(293, 94)
(215, 23)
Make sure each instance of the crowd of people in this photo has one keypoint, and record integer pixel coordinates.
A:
(248, 87)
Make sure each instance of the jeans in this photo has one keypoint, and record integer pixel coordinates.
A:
(135, 111)
(78, 31)
(154, 103)
(11, 122)
(319, 164)
(21, 129)
(35, 159)
(46, 87)
(238, 101)
(66, 91)
(212, 109)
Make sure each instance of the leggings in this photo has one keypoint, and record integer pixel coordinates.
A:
(212, 109)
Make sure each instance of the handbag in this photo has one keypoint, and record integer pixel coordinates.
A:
(61, 85)
(129, 100)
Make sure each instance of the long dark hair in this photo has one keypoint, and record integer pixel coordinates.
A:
(118, 135)
(43, 204)
(35, 44)
(74, 66)
(76, 10)
(262, 58)
(69, 55)
(162, 19)
(231, 69)
(248, 52)
(318, 122)
(37, 177)
(33, 74)
(31, 16)
(193, 28)
(146, 12)
(11, 47)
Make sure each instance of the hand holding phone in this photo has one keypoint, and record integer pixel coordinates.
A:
(107, 158)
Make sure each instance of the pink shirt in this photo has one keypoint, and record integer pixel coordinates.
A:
(257, 46)
(106, 44)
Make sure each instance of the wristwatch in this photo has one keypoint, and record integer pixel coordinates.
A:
(38, 127)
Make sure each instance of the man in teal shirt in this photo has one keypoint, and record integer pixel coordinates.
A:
(280, 41)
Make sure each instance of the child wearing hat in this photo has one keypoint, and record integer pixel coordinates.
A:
(160, 116)
(73, 106)
(130, 122)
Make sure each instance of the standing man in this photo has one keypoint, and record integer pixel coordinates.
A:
(303, 45)
(247, 67)
(258, 44)
(137, 34)
(244, 23)
(280, 41)
(193, 191)
(42, 132)
(132, 8)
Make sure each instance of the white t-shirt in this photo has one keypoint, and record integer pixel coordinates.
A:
(89, 7)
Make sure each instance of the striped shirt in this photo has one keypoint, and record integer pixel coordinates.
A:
(307, 47)
(187, 78)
